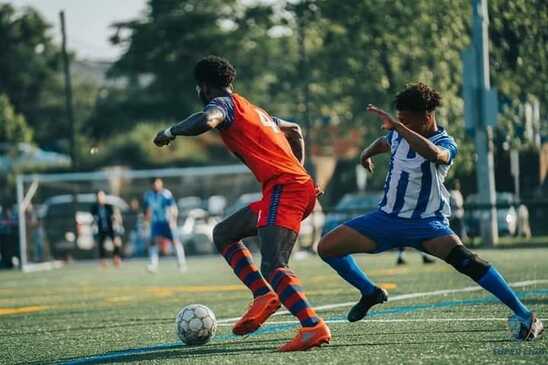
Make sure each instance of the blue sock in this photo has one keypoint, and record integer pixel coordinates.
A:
(493, 282)
(349, 270)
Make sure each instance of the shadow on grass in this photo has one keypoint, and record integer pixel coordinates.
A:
(425, 332)
(429, 342)
(173, 351)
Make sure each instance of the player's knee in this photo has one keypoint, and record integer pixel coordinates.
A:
(467, 262)
(220, 237)
(324, 249)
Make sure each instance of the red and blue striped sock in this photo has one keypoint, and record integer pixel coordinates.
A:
(289, 289)
(239, 258)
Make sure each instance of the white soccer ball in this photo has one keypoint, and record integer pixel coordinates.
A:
(196, 324)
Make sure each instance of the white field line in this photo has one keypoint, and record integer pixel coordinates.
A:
(388, 320)
(517, 284)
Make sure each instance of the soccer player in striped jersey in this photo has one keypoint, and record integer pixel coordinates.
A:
(415, 209)
(161, 211)
(273, 149)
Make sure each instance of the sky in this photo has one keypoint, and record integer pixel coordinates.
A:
(87, 22)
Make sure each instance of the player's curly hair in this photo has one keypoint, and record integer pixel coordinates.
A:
(418, 97)
(215, 71)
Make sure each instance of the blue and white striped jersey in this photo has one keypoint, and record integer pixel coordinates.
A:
(159, 202)
(414, 186)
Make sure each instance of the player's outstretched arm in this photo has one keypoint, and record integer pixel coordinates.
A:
(380, 145)
(423, 146)
(294, 135)
(194, 125)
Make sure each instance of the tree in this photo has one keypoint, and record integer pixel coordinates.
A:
(359, 54)
(29, 62)
(519, 60)
(13, 127)
(162, 48)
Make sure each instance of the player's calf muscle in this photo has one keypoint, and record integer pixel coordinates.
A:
(276, 246)
(220, 237)
(269, 264)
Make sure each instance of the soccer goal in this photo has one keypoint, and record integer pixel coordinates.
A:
(56, 225)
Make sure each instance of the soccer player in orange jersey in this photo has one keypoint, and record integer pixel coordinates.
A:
(273, 149)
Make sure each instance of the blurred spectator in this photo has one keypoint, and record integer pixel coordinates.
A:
(401, 261)
(524, 228)
(161, 211)
(456, 202)
(139, 234)
(35, 235)
(109, 226)
(9, 248)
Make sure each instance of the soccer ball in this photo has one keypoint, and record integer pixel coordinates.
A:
(196, 324)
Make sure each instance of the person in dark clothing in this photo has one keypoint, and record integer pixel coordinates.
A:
(108, 221)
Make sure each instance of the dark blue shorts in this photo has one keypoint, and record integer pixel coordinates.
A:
(390, 232)
(161, 229)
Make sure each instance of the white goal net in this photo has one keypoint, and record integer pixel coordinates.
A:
(55, 223)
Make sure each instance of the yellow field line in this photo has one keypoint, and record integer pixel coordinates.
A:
(21, 310)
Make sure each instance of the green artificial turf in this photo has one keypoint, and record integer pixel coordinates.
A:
(82, 314)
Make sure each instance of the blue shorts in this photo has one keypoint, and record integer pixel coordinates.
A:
(390, 232)
(161, 229)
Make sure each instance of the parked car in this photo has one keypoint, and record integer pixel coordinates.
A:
(68, 223)
(244, 200)
(196, 232)
(311, 228)
(188, 203)
(349, 206)
(506, 214)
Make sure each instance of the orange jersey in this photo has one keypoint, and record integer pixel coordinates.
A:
(253, 135)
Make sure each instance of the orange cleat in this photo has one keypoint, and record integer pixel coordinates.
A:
(259, 311)
(308, 337)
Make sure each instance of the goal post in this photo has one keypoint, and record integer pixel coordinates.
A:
(48, 201)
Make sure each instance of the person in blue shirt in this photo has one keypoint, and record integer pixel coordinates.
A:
(161, 212)
(414, 210)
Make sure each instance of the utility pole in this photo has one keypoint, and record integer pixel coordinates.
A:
(480, 103)
(68, 92)
(302, 13)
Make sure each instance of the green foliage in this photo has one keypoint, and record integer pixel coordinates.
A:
(163, 47)
(356, 52)
(135, 149)
(28, 62)
(13, 126)
(519, 60)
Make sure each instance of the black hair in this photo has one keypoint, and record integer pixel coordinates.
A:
(214, 71)
(418, 97)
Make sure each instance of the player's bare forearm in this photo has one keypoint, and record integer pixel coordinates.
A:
(198, 123)
(294, 135)
(194, 125)
(380, 145)
(421, 145)
(296, 141)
